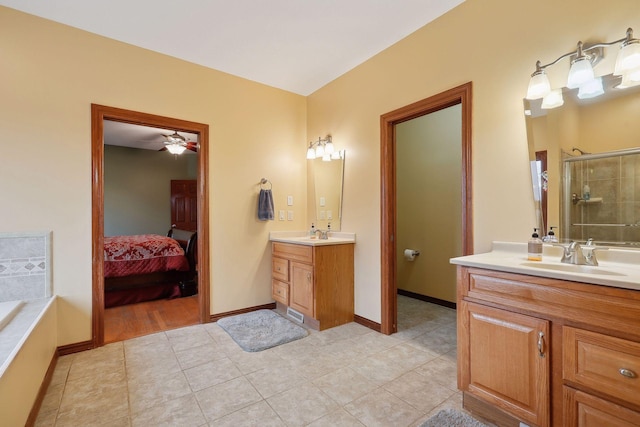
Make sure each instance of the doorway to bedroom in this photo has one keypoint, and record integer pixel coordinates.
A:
(148, 200)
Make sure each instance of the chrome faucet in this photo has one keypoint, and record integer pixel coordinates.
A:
(590, 255)
(572, 254)
(324, 234)
(579, 255)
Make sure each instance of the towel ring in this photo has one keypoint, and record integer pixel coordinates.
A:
(264, 181)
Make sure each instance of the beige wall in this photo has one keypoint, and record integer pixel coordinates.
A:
(137, 189)
(494, 44)
(52, 73)
(429, 202)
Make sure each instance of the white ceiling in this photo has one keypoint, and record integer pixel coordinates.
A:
(141, 137)
(295, 45)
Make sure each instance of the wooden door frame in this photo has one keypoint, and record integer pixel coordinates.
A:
(99, 113)
(458, 95)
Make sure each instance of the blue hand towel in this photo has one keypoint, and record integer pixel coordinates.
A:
(265, 205)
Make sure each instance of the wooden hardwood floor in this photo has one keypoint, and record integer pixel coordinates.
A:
(134, 320)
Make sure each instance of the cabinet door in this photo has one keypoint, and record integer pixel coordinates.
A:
(301, 292)
(583, 410)
(507, 361)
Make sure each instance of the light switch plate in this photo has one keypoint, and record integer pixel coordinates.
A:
(290, 215)
(329, 215)
(321, 215)
(322, 201)
(289, 200)
(281, 215)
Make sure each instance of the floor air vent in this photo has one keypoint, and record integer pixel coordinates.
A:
(295, 315)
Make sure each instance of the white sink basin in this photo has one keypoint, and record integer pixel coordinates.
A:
(572, 268)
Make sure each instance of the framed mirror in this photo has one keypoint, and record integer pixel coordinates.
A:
(326, 191)
(586, 143)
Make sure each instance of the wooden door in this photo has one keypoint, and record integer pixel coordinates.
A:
(184, 204)
(508, 361)
(301, 293)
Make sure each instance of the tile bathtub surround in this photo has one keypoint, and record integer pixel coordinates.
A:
(25, 266)
(197, 376)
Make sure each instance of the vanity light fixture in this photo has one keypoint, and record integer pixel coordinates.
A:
(322, 148)
(581, 73)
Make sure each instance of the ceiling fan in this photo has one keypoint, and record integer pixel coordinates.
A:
(177, 144)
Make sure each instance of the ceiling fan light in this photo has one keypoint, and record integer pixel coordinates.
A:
(539, 85)
(580, 72)
(176, 148)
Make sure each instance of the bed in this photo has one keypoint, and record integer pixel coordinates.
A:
(149, 266)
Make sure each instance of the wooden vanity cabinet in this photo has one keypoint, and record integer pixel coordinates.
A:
(316, 281)
(547, 352)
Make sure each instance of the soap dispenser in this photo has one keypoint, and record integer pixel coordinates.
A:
(312, 232)
(535, 247)
(551, 237)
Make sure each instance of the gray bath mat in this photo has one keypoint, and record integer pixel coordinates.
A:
(261, 329)
(452, 418)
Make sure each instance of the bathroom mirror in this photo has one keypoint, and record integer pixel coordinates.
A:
(576, 130)
(327, 191)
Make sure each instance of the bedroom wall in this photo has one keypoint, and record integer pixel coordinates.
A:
(51, 74)
(495, 45)
(137, 189)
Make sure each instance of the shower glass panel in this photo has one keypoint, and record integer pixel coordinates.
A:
(610, 213)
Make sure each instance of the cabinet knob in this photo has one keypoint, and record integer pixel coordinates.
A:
(627, 373)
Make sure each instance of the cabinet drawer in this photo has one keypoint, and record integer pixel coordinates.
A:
(607, 364)
(280, 269)
(280, 292)
(301, 253)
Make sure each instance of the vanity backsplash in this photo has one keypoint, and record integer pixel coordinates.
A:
(25, 266)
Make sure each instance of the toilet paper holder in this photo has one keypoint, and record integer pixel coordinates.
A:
(411, 254)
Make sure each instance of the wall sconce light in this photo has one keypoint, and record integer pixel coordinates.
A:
(581, 73)
(324, 149)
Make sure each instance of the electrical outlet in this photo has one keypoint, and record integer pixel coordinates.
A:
(281, 215)
(289, 200)
(329, 215)
(290, 215)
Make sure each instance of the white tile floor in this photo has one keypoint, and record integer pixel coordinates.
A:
(197, 376)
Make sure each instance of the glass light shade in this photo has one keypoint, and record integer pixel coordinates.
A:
(580, 73)
(176, 148)
(336, 155)
(311, 153)
(319, 150)
(630, 79)
(591, 89)
(326, 157)
(628, 58)
(553, 99)
(539, 85)
(328, 148)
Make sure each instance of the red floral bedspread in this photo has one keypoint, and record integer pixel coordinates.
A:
(142, 254)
